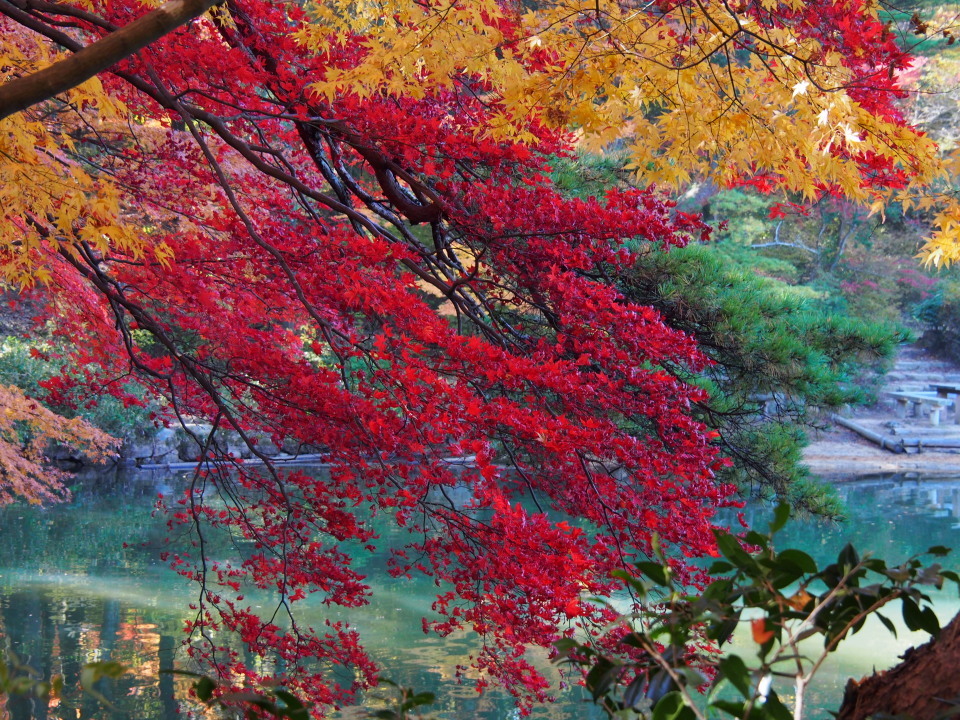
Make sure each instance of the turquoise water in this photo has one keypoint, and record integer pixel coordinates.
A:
(70, 593)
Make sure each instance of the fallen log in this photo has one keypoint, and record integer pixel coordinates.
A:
(940, 443)
(895, 446)
(899, 444)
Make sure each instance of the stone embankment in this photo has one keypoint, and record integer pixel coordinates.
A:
(183, 445)
(928, 441)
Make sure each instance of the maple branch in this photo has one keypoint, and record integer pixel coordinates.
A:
(777, 242)
(423, 205)
(425, 208)
(781, 243)
(22, 92)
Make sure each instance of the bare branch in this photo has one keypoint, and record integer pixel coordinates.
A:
(781, 243)
(777, 242)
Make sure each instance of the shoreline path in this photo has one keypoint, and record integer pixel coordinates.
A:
(837, 452)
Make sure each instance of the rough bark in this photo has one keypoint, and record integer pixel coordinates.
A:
(922, 687)
(22, 92)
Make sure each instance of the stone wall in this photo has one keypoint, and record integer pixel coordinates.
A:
(185, 444)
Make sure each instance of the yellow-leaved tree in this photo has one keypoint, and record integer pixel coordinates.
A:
(799, 97)
(50, 197)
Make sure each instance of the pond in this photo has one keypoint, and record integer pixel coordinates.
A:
(71, 593)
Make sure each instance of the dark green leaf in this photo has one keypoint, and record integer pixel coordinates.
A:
(88, 676)
(939, 551)
(799, 558)
(776, 709)
(204, 688)
(661, 684)
(781, 514)
(654, 571)
(887, 623)
(727, 543)
(785, 574)
(691, 677)
(633, 582)
(730, 547)
(875, 564)
(733, 669)
(911, 614)
(636, 639)
(718, 590)
(601, 677)
(564, 647)
(422, 698)
(755, 538)
(672, 707)
(722, 631)
(96, 670)
(929, 621)
(737, 709)
(634, 691)
(295, 709)
(848, 557)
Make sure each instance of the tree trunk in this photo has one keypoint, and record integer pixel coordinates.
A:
(923, 686)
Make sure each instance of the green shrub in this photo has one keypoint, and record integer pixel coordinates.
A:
(28, 365)
(780, 361)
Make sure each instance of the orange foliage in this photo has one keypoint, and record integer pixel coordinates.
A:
(27, 429)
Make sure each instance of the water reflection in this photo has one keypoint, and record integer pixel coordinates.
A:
(892, 516)
(56, 633)
(70, 593)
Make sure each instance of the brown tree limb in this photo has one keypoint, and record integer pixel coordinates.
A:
(20, 93)
(925, 686)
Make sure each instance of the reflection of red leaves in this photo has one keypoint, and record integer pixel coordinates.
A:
(761, 634)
